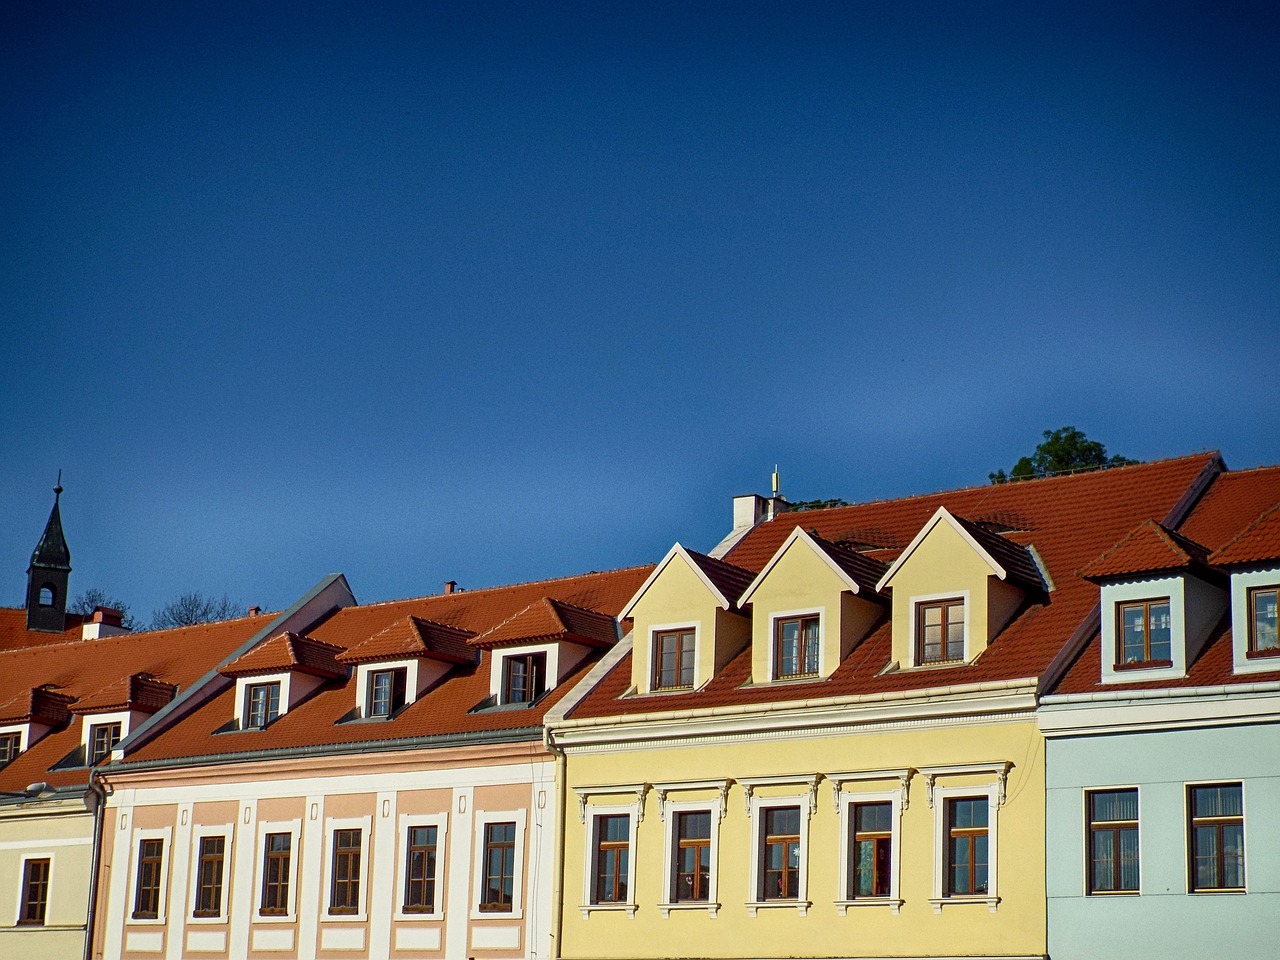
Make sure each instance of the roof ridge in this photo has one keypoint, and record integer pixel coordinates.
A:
(1249, 528)
(504, 586)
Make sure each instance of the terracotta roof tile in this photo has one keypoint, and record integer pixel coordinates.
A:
(413, 637)
(1013, 556)
(41, 704)
(141, 691)
(1259, 542)
(1148, 549)
(731, 580)
(861, 569)
(547, 619)
(14, 634)
(288, 651)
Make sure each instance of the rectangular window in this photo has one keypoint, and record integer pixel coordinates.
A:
(344, 887)
(613, 849)
(1217, 837)
(1146, 632)
(420, 870)
(1113, 841)
(524, 677)
(1264, 640)
(796, 648)
(870, 849)
(35, 892)
(102, 739)
(691, 882)
(10, 746)
(673, 659)
(386, 692)
(277, 850)
(209, 878)
(497, 890)
(780, 853)
(966, 865)
(146, 894)
(261, 704)
(940, 631)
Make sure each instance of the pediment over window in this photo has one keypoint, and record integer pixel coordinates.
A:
(413, 637)
(1151, 548)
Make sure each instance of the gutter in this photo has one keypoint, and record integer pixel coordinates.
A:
(1170, 693)
(95, 862)
(557, 877)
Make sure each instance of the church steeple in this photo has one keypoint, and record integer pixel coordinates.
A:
(48, 574)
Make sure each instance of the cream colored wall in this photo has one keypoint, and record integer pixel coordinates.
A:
(678, 597)
(1017, 926)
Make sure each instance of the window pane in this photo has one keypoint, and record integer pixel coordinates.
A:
(1103, 861)
(1266, 635)
(1161, 632)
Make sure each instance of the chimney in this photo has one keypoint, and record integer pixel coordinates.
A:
(105, 622)
(450, 586)
(108, 615)
(254, 611)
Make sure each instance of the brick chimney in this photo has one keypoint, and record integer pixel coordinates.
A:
(105, 622)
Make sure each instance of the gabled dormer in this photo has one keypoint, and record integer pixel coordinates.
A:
(277, 674)
(399, 663)
(687, 623)
(113, 712)
(1253, 560)
(535, 650)
(1160, 600)
(28, 716)
(955, 587)
(810, 606)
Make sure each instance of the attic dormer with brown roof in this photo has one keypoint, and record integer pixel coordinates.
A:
(402, 661)
(111, 713)
(813, 602)
(1253, 559)
(954, 588)
(1160, 601)
(534, 650)
(687, 622)
(278, 674)
(26, 717)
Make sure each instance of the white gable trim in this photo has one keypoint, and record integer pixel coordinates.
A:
(940, 515)
(676, 551)
(799, 533)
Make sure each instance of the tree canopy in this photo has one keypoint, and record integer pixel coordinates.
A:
(1065, 450)
(93, 598)
(195, 607)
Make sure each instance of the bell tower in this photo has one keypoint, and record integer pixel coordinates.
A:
(48, 574)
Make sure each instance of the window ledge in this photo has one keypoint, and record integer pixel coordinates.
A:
(1271, 653)
(940, 902)
(514, 914)
(411, 916)
(1112, 893)
(275, 918)
(800, 906)
(1144, 665)
(589, 908)
(360, 917)
(209, 921)
(1224, 891)
(895, 906)
(710, 907)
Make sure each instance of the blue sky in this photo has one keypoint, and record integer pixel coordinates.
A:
(494, 292)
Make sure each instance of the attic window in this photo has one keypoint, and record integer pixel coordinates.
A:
(1145, 632)
(386, 692)
(940, 631)
(673, 659)
(10, 746)
(261, 703)
(524, 677)
(797, 646)
(102, 739)
(1264, 638)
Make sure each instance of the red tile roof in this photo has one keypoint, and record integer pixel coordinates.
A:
(413, 637)
(288, 651)
(1258, 543)
(1014, 557)
(1150, 548)
(546, 620)
(1070, 520)
(40, 704)
(731, 580)
(14, 634)
(141, 691)
(861, 569)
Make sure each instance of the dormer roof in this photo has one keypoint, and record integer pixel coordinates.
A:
(413, 637)
(1008, 560)
(547, 620)
(41, 704)
(139, 691)
(860, 573)
(725, 581)
(288, 651)
(1257, 543)
(1151, 548)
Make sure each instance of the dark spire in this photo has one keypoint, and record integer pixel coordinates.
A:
(48, 574)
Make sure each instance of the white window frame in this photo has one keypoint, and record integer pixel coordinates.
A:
(592, 816)
(774, 617)
(801, 903)
(406, 820)
(364, 681)
(331, 825)
(1188, 841)
(294, 829)
(136, 838)
(482, 820)
(1241, 584)
(1087, 846)
(226, 831)
(244, 683)
(940, 796)
(90, 720)
(24, 732)
(670, 808)
(498, 665)
(1151, 588)
(20, 900)
(845, 800)
(914, 603)
(679, 625)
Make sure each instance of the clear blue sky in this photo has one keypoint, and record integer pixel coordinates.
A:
(496, 292)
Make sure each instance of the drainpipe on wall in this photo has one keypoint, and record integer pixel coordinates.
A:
(100, 802)
(557, 875)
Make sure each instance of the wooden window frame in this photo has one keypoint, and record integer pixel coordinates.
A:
(1252, 594)
(945, 605)
(685, 640)
(420, 891)
(270, 708)
(10, 746)
(149, 880)
(1147, 661)
(385, 702)
(972, 833)
(35, 891)
(1116, 828)
(602, 890)
(1220, 822)
(700, 846)
(506, 871)
(534, 683)
(803, 651)
(208, 901)
(344, 871)
(878, 838)
(786, 842)
(275, 893)
(100, 746)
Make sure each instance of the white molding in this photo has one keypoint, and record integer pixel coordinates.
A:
(589, 904)
(809, 780)
(363, 680)
(400, 865)
(90, 720)
(136, 837)
(638, 790)
(331, 826)
(757, 806)
(845, 800)
(1241, 584)
(677, 550)
(482, 819)
(1147, 588)
(998, 769)
(938, 800)
(913, 604)
(244, 683)
(20, 891)
(823, 623)
(1114, 711)
(799, 533)
(719, 784)
(715, 809)
(499, 657)
(294, 829)
(199, 832)
(673, 627)
(940, 515)
(901, 774)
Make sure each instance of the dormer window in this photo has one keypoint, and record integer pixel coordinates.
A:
(797, 647)
(102, 740)
(1145, 632)
(386, 691)
(940, 631)
(524, 677)
(261, 703)
(673, 659)
(10, 746)
(1264, 640)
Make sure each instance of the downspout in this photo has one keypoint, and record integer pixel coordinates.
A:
(95, 859)
(557, 876)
